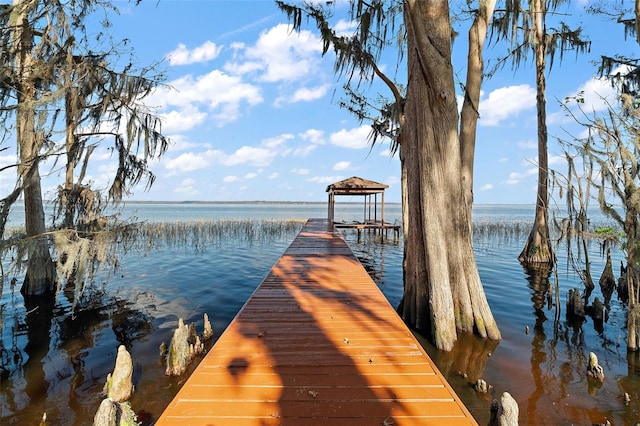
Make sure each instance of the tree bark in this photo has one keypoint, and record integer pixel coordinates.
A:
(443, 291)
(632, 230)
(40, 275)
(637, 9)
(538, 248)
(469, 113)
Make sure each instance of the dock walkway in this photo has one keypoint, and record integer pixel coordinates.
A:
(317, 344)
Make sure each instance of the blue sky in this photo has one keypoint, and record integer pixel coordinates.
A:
(253, 115)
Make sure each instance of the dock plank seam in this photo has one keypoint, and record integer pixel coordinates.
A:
(316, 343)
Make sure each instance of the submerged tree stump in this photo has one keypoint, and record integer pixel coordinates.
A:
(107, 414)
(184, 346)
(575, 305)
(607, 280)
(481, 386)
(208, 331)
(178, 356)
(597, 310)
(119, 386)
(112, 413)
(623, 288)
(504, 412)
(594, 370)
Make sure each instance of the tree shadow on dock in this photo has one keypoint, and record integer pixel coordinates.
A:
(323, 330)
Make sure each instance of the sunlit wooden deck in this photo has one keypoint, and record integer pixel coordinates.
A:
(316, 344)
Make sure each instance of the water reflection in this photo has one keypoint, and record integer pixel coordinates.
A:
(65, 357)
(545, 370)
(37, 325)
(468, 358)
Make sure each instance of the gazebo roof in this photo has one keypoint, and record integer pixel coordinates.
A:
(356, 186)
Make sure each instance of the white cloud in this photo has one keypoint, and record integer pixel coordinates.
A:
(6, 160)
(506, 102)
(326, 179)
(186, 162)
(341, 165)
(274, 175)
(345, 28)
(250, 175)
(217, 92)
(230, 179)
(280, 55)
(180, 143)
(203, 53)
(248, 26)
(190, 161)
(277, 141)
(528, 144)
(596, 92)
(555, 160)
(301, 172)
(486, 187)
(183, 119)
(516, 177)
(303, 150)
(187, 187)
(249, 155)
(314, 136)
(355, 138)
(304, 94)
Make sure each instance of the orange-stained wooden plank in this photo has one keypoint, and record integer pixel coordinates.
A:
(320, 421)
(316, 408)
(316, 344)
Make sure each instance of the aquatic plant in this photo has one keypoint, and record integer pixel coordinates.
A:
(198, 234)
(81, 255)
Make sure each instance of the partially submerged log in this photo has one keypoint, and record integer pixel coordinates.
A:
(504, 412)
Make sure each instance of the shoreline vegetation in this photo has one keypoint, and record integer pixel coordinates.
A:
(276, 202)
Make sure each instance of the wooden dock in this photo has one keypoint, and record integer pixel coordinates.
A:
(378, 227)
(317, 344)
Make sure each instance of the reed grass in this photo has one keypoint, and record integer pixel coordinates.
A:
(500, 231)
(80, 255)
(199, 234)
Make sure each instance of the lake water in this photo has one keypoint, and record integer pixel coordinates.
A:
(61, 369)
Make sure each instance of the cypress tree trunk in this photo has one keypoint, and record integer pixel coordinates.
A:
(40, 275)
(469, 113)
(632, 230)
(443, 291)
(538, 249)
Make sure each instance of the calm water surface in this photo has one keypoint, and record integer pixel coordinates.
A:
(61, 368)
